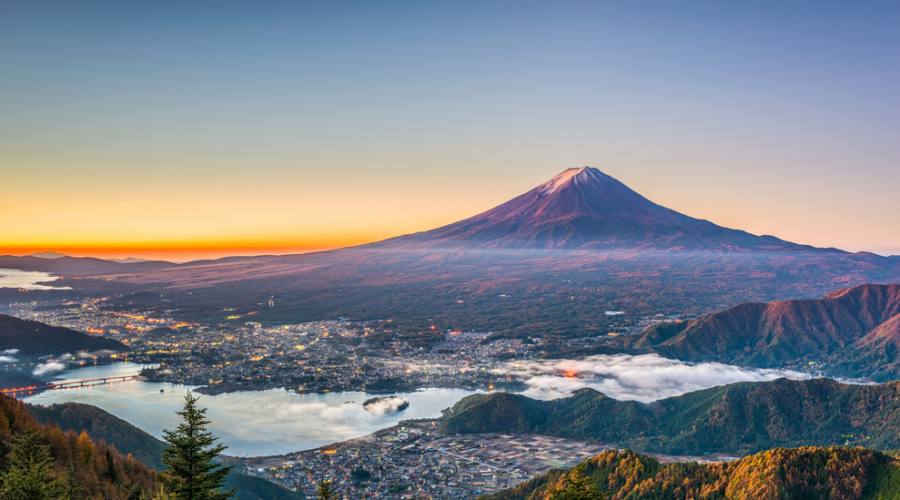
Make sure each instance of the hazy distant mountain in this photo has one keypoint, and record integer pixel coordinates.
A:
(736, 418)
(46, 255)
(130, 260)
(33, 338)
(851, 322)
(64, 265)
(583, 208)
(836, 473)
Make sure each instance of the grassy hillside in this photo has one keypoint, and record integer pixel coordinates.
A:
(800, 473)
(737, 418)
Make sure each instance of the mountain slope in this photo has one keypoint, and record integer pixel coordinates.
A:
(127, 438)
(17, 379)
(783, 332)
(583, 208)
(98, 469)
(737, 418)
(811, 472)
(99, 424)
(877, 354)
(33, 338)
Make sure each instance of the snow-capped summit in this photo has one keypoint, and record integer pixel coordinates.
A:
(575, 175)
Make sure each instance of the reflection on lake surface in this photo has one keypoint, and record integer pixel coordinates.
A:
(276, 421)
(250, 423)
(28, 280)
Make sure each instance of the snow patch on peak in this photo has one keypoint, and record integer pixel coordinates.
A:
(568, 176)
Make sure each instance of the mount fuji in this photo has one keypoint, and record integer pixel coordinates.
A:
(584, 208)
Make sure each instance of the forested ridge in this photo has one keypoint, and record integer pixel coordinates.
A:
(739, 418)
(836, 473)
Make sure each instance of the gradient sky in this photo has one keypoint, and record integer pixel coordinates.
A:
(241, 127)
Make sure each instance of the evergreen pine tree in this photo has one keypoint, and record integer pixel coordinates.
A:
(29, 471)
(191, 469)
(111, 473)
(72, 490)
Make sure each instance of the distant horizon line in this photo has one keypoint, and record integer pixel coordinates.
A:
(175, 255)
(185, 254)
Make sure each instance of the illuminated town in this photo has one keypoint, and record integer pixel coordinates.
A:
(239, 353)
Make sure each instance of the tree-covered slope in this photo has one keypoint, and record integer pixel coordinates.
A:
(33, 338)
(800, 473)
(79, 465)
(100, 424)
(737, 418)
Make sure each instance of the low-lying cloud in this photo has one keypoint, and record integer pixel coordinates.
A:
(645, 377)
(49, 367)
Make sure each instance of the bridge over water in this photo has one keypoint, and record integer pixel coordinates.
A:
(67, 384)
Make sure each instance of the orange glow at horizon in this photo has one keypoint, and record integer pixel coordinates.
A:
(235, 215)
(182, 251)
(298, 212)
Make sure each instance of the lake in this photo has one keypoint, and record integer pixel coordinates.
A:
(250, 423)
(28, 280)
(273, 422)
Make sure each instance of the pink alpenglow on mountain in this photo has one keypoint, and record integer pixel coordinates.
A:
(583, 208)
